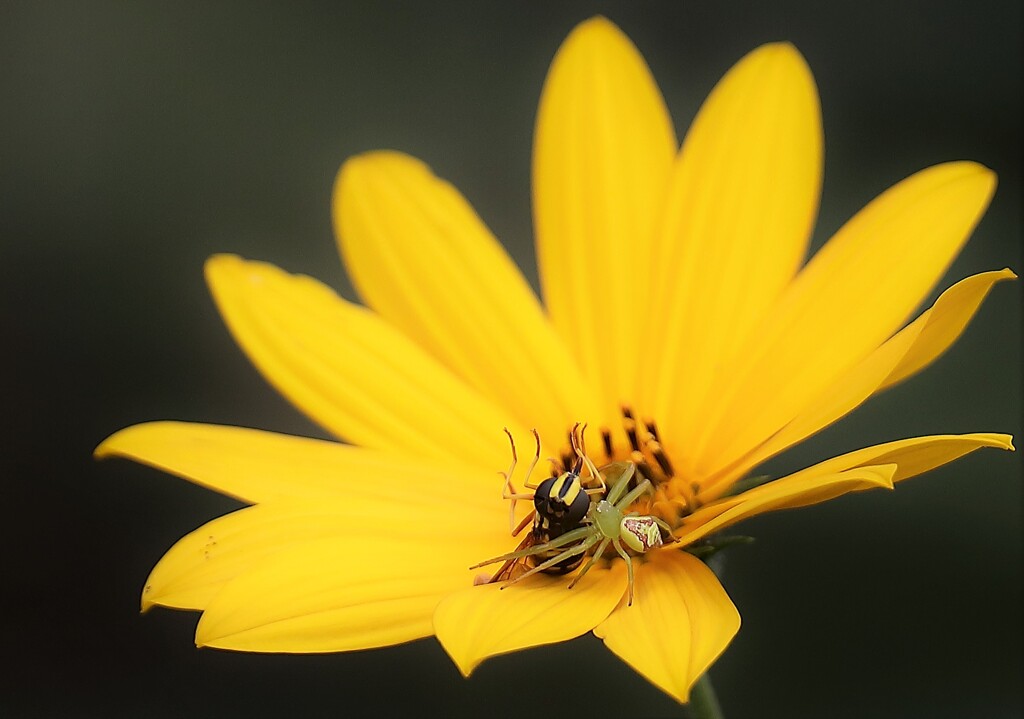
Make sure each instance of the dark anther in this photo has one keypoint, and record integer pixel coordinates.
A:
(606, 438)
(652, 429)
(630, 427)
(644, 470)
(566, 459)
(662, 459)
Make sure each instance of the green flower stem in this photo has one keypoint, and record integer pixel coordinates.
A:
(703, 702)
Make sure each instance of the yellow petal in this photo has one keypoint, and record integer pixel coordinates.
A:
(907, 352)
(256, 466)
(741, 207)
(851, 297)
(603, 149)
(912, 456)
(680, 622)
(947, 320)
(368, 588)
(420, 256)
(351, 372)
(199, 564)
(485, 621)
(799, 490)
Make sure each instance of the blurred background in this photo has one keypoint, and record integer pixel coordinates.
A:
(136, 139)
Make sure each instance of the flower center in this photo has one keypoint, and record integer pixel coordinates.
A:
(673, 497)
(587, 510)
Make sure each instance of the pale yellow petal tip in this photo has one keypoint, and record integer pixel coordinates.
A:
(222, 266)
(203, 638)
(146, 601)
(465, 666)
(358, 167)
(968, 171)
(997, 441)
(359, 172)
(989, 179)
(227, 271)
(456, 651)
(464, 661)
(596, 35)
(596, 27)
(222, 260)
(109, 446)
(130, 440)
(882, 475)
(378, 157)
(120, 441)
(779, 51)
(783, 54)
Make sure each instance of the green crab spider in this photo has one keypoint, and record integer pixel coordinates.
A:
(607, 522)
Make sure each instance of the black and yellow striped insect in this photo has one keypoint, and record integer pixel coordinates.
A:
(560, 504)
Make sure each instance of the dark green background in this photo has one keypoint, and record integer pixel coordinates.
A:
(137, 139)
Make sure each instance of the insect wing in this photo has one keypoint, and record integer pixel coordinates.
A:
(517, 566)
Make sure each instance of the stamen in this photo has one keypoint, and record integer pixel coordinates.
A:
(661, 458)
(606, 438)
(652, 429)
(674, 498)
(564, 462)
(637, 457)
(629, 424)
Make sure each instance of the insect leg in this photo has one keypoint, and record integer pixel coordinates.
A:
(525, 523)
(581, 451)
(508, 491)
(536, 458)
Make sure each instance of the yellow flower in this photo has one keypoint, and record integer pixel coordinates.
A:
(673, 284)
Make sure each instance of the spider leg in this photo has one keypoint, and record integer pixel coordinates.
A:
(560, 541)
(629, 568)
(570, 552)
(586, 568)
(664, 525)
(637, 492)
